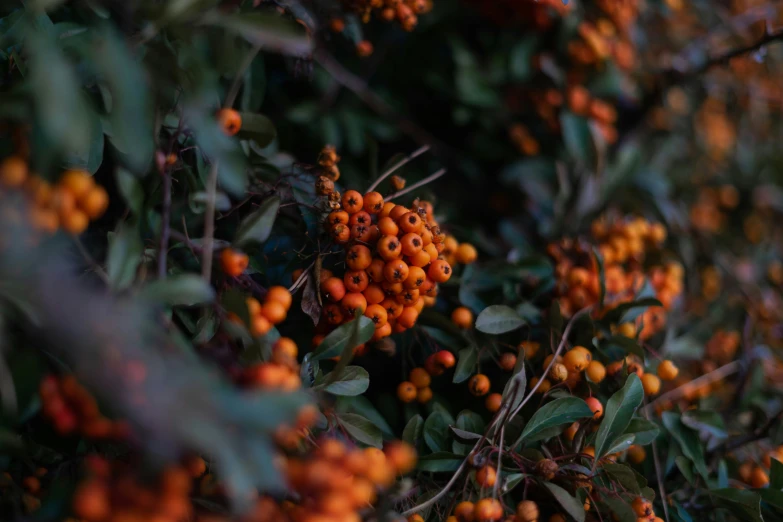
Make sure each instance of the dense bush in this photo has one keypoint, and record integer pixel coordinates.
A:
(383, 259)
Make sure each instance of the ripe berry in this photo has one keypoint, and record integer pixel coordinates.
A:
(636, 454)
(487, 509)
(445, 358)
(527, 511)
(558, 373)
(507, 361)
(274, 311)
(424, 395)
(595, 371)
(406, 391)
(575, 360)
(420, 378)
(333, 289)
(486, 476)
(479, 385)
(352, 201)
(400, 456)
(233, 263)
(493, 402)
(464, 511)
(667, 371)
(642, 507)
(466, 254)
(439, 271)
(462, 317)
(651, 384)
(595, 406)
(229, 120)
(281, 295)
(13, 171)
(373, 202)
(389, 247)
(377, 313)
(358, 257)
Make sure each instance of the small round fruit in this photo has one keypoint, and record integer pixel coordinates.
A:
(233, 263)
(596, 371)
(406, 391)
(420, 378)
(424, 395)
(636, 454)
(595, 406)
(462, 317)
(487, 509)
(575, 360)
(479, 385)
(281, 295)
(230, 121)
(486, 477)
(527, 511)
(651, 384)
(667, 371)
(95, 202)
(401, 456)
(466, 254)
(13, 171)
(642, 507)
(464, 511)
(507, 361)
(493, 402)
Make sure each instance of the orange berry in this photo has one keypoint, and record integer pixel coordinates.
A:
(406, 391)
(407, 317)
(464, 511)
(651, 384)
(94, 202)
(487, 509)
(439, 271)
(90, 501)
(352, 201)
(233, 263)
(377, 313)
(411, 244)
(281, 295)
(595, 406)
(373, 202)
(74, 222)
(527, 511)
(479, 385)
(667, 370)
(395, 271)
(575, 360)
(466, 254)
(493, 402)
(486, 476)
(401, 456)
(595, 371)
(410, 222)
(507, 361)
(364, 48)
(333, 289)
(356, 280)
(419, 377)
(13, 171)
(230, 121)
(352, 302)
(389, 247)
(636, 454)
(424, 395)
(462, 317)
(274, 311)
(259, 325)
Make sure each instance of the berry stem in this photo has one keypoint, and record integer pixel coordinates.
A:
(413, 155)
(428, 179)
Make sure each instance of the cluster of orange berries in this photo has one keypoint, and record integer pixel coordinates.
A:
(111, 492)
(31, 499)
(393, 259)
(335, 482)
(417, 387)
(708, 212)
(71, 408)
(623, 246)
(406, 12)
(70, 204)
(272, 311)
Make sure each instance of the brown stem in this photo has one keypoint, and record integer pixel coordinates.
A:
(413, 155)
(428, 179)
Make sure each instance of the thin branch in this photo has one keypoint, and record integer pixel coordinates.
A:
(165, 218)
(428, 179)
(659, 474)
(95, 266)
(302, 279)
(708, 378)
(737, 442)
(415, 154)
(500, 454)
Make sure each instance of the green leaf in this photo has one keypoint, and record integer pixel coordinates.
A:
(256, 227)
(197, 201)
(706, 421)
(644, 431)
(413, 430)
(687, 439)
(626, 312)
(270, 32)
(131, 190)
(621, 443)
(578, 139)
(517, 383)
(125, 251)
(436, 431)
(90, 157)
(572, 505)
(354, 380)
(185, 289)
(498, 319)
(361, 429)
(776, 474)
(744, 504)
(552, 414)
(624, 475)
(257, 127)
(617, 414)
(468, 422)
(466, 364)
(442, 461)
(624, 343)
(131, 113)
(511, 481)
(684, 465)
(364, 407)
(338, 340)
(621, 509)
(519, 60)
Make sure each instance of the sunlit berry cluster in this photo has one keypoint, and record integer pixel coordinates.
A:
(623, 246)
(70, 204)
(72, 409)
(114, 491)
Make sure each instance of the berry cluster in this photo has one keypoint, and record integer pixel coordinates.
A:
(417, 387)
(72, 409)
(623, 245)
(262, 316)
(112, 492)
(70, 204)
(406, 12)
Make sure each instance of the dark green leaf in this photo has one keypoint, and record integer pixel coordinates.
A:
(578, 138)
(498, 319)
(270, 32)
(337, 341)
(185, 289)
(624, 475)
(131, 190)
(570, 504)
(621, 443)
(618, 413)
(364, 407)
(413, 430)
(517, 383)
(555, 413)
(125, 251)
(744, 504)
(599, 261)
(687, 439)
(685, 467)
(466, 364)
(621, 509)
(511, 481)
(468, 422)
(361, 429)
(625, 343)
(90, 157)
(439, 461)
(776, 474)
(256, 227)
(354, 380)
(644, 431)
(257, 127)
(436, 431)
(706, 421)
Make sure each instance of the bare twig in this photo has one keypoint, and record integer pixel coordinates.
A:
(708, 378)
(302, 279)
(659, 474)
(500, 454)
(407, 159)
(428, 179)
